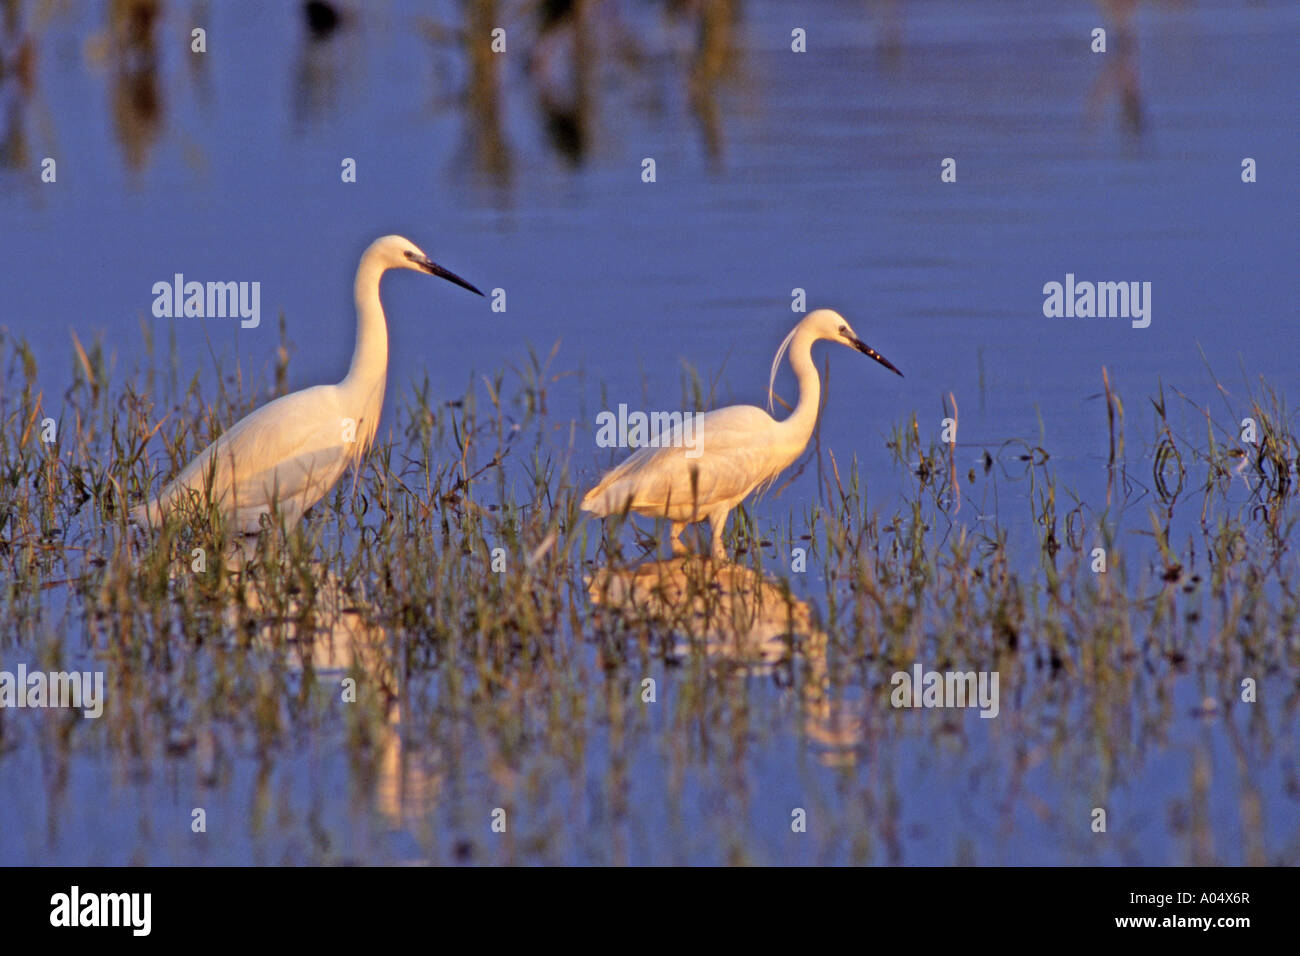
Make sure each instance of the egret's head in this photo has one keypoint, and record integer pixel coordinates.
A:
(829, 324)
(398, 252)
(823, 324)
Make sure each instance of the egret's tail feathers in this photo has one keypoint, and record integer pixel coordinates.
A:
(614, 492)
(607, 498)
(147, 515)
(595, 502)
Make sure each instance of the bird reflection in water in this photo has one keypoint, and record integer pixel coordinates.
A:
(713, 61)
(324, 62)
(17, 84)
(132, 53)
(486, 143)
(563, 65)
(744, 624)
(1119, 73)
(322, 626)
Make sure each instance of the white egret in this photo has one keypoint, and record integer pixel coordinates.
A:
(735, 450)
(291, 451)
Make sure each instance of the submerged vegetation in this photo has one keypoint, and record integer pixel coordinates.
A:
(444, 638)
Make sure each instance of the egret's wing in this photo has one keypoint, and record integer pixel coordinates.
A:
(291, 449)
(734, 453)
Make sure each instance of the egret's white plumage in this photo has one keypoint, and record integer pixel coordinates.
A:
(290, 452)
(740, 448)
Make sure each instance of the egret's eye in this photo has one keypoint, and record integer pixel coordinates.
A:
(844, 330)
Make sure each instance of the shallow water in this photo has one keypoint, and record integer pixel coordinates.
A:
(818, 171)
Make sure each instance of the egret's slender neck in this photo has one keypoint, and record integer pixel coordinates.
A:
(804, 417)
(370, 359)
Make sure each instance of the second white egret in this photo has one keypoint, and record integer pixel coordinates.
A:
(290, 452)
(739, 448)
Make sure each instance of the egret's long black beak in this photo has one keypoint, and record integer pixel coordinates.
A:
(434, 269)
(868, 350)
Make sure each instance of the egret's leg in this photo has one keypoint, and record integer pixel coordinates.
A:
(676, 538)
(717, 522)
